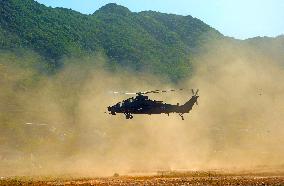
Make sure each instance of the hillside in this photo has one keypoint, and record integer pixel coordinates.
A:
(150, 41)
(272, 47)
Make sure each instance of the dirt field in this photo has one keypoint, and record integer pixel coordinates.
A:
(159, 179)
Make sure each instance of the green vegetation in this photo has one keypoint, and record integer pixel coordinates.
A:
(147, 41)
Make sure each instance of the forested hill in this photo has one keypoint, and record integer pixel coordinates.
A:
(153, 41)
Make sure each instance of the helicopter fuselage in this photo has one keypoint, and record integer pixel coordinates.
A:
(143, 105)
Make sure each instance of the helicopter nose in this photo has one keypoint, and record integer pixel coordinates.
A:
(109, 108)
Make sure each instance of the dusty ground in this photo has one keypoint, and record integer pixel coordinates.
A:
(159, 179)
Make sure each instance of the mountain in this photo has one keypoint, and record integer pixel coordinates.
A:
(151, 41)
(158, 43)
(272, 47)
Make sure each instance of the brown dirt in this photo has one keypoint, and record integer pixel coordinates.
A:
(164, 179)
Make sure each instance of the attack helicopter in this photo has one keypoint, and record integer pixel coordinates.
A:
(141, 104)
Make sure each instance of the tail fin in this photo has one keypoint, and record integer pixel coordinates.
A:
(188, 105)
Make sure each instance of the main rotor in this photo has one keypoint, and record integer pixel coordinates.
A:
(148, 92)
(194, 93)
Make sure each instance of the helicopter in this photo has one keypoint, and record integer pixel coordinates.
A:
(141, 104)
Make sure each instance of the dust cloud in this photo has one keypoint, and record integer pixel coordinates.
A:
(57, 125)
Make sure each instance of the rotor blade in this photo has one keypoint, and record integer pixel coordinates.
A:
(116, 92)
(130, 93)
(123, 92)
(152, 91)
(171, 90)
(147, 92)
(157, 91)
(192, 91)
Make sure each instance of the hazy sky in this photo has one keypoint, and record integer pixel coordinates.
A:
(236, 18)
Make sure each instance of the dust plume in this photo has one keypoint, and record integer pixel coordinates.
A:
(56, 125)
(241, 106)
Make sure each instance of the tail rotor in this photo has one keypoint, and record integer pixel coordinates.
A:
(195, 94)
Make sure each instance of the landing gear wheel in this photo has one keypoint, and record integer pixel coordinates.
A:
(181, 115)
(128, 116)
